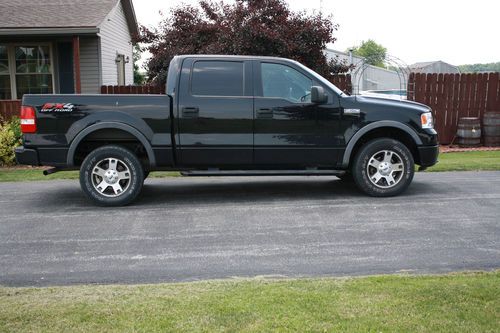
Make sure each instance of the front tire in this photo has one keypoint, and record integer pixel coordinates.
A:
(111, 176)
(383, 167)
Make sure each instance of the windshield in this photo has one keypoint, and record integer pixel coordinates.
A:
(321, 79)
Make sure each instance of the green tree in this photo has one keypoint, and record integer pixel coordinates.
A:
(373, 53)
(474, 68)
(139, 77)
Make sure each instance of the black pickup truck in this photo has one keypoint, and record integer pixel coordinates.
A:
(228, 115)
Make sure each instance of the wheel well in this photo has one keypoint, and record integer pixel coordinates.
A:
(387, 132)
(107, 136)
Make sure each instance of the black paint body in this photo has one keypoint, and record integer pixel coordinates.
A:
(183, 130)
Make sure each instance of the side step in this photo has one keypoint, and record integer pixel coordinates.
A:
(216, 172)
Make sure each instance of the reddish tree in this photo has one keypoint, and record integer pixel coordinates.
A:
(247, 27)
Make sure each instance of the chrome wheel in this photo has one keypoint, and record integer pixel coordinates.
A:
(385, 169)
(111, 177)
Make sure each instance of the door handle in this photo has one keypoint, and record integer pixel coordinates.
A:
(266, 113)
(190, 112)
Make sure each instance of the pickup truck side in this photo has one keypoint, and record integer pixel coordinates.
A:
(228, 115)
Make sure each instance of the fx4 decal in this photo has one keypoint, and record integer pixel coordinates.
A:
(57, 107)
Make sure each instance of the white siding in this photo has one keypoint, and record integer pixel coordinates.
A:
(368, 77)
(89, 65)
(376, 78)
(342, 56)
(440, 67)
(115, 39)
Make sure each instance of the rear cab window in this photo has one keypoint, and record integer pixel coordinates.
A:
(217, 78)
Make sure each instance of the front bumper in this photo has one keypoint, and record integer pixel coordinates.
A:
(428, 155)
(26, 156)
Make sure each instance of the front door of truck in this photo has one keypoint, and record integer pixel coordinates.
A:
(215, 113)
(289, 130)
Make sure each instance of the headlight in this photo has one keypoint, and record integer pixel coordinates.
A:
(426, 120)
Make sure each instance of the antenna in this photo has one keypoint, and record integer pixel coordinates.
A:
(321, 6)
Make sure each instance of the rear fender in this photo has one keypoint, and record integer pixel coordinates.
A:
(110, 125)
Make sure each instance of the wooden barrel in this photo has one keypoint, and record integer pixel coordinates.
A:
(469, 132)
(491, 125)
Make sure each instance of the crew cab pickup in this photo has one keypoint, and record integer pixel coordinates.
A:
(228, 115)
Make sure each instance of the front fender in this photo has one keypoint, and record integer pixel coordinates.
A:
(378, 124)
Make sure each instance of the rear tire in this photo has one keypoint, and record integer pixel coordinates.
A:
(383, 167)
(111, 176)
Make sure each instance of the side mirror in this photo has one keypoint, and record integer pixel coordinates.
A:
(318, 95)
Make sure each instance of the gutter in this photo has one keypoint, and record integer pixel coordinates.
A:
(48, 31)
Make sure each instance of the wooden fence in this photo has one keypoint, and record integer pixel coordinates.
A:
(9, 108)
(452, 96)
(142, 90)
(343, 82)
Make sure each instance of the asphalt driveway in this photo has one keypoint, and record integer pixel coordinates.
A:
(185, 229)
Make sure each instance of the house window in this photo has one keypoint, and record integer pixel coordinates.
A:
(25, 69)
(5, 92)
(33, 70)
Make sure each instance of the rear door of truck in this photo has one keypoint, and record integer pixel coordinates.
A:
(215, 112)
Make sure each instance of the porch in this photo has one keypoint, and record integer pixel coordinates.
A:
(40, 65)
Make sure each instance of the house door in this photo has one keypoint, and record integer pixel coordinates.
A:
(65, 60)
(120, 62)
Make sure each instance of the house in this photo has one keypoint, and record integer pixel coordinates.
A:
(434, 67)
(368, 77)
(65, 46)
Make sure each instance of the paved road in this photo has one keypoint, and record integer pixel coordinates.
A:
(186, 229)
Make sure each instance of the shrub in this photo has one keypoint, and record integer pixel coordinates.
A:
(10, 137)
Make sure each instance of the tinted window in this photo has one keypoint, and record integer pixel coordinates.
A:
(217, 78)
(285, 82)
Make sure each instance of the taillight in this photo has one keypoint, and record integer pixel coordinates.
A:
(28, 119)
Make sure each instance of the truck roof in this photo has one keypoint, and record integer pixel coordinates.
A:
(230, 57)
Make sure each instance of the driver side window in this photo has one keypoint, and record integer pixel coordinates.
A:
(282, 81)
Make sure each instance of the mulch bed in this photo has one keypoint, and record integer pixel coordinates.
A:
(23, 167)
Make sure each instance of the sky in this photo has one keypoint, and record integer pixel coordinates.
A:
(457, 32)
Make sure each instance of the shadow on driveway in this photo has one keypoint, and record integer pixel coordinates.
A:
(195, 191)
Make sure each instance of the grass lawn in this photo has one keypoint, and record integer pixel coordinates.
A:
(468, 161)
(460, 302)
(463, 161)
(24, 174)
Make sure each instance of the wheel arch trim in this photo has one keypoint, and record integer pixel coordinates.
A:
(110, 125)
(378, 124)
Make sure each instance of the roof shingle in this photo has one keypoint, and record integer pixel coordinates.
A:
(16, 14)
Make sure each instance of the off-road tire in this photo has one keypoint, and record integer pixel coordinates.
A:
(117, 165)
(387, 154)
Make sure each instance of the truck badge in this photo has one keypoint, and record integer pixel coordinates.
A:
(57, 107)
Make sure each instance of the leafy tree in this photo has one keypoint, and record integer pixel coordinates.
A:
(490, 67)
(373, 53)
(246, 27)
(139, 77)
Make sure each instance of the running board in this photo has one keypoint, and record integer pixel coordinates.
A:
(312, 172)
